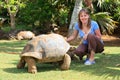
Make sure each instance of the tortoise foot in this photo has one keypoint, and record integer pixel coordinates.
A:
(66, 62)
(33, 71)
(21, 64)
(31, 65)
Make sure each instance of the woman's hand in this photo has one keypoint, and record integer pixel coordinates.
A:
(73, 36)
(65, 38)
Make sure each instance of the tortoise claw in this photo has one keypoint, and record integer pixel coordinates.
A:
(33, 71)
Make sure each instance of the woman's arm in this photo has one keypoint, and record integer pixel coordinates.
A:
(98, 33)
(73, 36)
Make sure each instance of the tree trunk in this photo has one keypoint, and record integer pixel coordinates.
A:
(12, 14)
(77, 7)
(89, 4)
(12, 20)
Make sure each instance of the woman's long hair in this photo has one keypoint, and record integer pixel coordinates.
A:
(79, 21)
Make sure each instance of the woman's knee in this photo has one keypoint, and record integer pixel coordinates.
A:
(80, 54)
(79, 51)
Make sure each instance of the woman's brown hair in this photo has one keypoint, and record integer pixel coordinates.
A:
(79, 21)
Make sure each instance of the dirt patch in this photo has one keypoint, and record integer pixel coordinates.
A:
(111, 40)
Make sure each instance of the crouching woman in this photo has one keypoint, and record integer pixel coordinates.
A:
(89, 31)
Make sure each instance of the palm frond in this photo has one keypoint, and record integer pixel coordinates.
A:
(105, 21)
(100, 2)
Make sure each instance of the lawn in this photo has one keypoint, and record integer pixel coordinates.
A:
(104, 69)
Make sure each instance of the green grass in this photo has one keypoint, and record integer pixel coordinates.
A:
(104, 69)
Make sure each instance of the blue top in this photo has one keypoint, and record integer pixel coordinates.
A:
(94, 26)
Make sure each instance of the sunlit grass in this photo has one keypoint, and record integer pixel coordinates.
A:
(11, 46)
(104, 69)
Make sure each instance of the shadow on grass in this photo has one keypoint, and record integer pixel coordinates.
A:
(105, 66)
(41, 67)
(12, 47)
(15, 70)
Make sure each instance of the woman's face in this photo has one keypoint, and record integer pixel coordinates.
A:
(84, 17)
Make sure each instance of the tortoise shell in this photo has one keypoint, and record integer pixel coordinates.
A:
(46, 48)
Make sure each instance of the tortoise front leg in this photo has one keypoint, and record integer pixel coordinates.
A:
(66, 62)
(21, 63)
(31, 64)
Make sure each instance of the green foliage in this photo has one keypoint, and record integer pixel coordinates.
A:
(117, 13)
(18, 27)
(63, 14)
(110, 6)
(12, 5)
(107, 14)
(24, 27)
(45, 11)
(41, 13)
(40, 10)
(38, 14)
(107, 24)
(6, 29)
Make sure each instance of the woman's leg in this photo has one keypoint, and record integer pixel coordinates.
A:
(81, 51)
(94, 46)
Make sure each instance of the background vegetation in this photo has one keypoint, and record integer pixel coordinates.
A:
(38, 15)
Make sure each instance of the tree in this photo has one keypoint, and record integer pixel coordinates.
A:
(12, 7)
(89, 4)
(77, 7)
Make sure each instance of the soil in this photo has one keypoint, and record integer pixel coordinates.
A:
(111, 40)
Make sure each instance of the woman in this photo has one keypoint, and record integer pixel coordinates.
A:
(89, 31)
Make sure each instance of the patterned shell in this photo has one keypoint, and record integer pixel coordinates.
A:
(49, 46)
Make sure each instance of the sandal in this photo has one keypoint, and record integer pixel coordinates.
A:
(88, 62)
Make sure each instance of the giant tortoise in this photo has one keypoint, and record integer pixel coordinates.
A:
(25, 35)
(45, 48)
